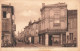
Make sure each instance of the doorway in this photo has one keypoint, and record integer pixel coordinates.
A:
(50, 40)
(56, 40)
(32, 40)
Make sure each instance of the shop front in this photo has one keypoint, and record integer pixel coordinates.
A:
(42, 39)
(57, 39)
(52, 39)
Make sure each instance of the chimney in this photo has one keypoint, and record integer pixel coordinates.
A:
(43, 4)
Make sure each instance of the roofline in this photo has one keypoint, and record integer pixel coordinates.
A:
(53, 5)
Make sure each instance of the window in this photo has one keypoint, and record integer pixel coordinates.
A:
(62, 13)
(56, 39)
(71, 24)
(8, 15)
(71, 36)
(57, 13)
(47, 13)
(51, 13)
(67, 37)
(4, 14)
(56, 22)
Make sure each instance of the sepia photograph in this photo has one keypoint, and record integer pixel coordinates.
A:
(39, 24)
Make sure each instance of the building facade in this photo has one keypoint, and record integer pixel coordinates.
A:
(53, 24)
(72, 26)
(8, 25)
(31, 32)
(21, 36)
(56, 26)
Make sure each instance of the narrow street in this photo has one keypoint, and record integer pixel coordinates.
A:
(22, 44)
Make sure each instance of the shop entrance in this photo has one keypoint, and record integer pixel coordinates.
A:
(54, 40)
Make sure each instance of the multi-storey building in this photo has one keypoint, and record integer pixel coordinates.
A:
(53, 24)
(26, 32)
(56, 22)
(35, 32)
(8, 24)
(72, 26)
(56, 26)
(21, 36)
(31, 32)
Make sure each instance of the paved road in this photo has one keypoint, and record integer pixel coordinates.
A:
(22, 44)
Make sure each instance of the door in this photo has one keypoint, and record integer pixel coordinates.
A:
(32, 40)
(50, 40)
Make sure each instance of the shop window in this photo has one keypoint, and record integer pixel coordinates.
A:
(56, 39)
(4, 14)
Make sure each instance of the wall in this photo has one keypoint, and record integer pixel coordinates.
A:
(54, 17)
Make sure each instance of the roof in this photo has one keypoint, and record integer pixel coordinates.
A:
(53, 5)
(58, 4)
(35, 22)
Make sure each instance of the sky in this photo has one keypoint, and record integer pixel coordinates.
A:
(26, 10)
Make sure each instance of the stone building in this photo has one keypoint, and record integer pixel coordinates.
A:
(8, 24)
(26, 32)
(72, 26)
(21, 36)
(55, 25)
(35, 32)
(31, 32)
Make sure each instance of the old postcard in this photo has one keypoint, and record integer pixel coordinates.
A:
(39, 25)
